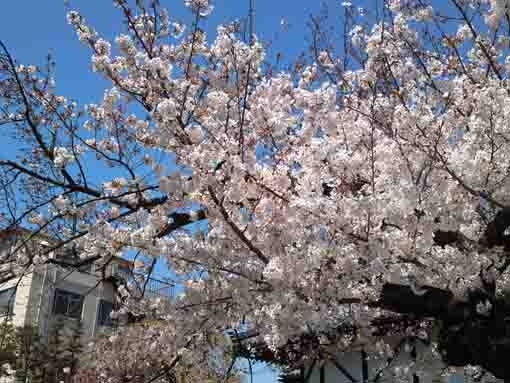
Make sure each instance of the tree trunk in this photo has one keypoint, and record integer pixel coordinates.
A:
(466, 336)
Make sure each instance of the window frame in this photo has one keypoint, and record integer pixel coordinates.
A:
(10, 302)
(70, 298)
(104, 319)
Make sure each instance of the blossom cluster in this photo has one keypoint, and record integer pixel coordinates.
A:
(352, 187)
(318, 187)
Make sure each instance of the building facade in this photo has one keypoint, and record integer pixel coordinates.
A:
(357, 366)
(411, 360)
(51, 292)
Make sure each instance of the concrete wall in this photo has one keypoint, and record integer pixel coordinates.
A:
(34, 299)
(84, 284)
(21, 298)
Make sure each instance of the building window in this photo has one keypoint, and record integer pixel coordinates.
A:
(103, 315)
(456, 378)
(7, 301)
(68, 304)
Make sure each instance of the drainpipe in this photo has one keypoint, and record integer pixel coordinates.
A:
(364, 365)
(39, 309)
(96, 309)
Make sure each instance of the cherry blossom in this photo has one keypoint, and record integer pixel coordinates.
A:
(327, 192)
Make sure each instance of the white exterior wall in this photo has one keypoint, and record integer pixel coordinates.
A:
(22, 296)
(21, 299)
(87, 285)
(352, 362)
(33, 302)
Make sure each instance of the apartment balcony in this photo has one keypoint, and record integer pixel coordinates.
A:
(121, 270)
(155, 288)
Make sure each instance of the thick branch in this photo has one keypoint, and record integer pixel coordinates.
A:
(467, 337)
(236, 230)
(495, 232)
(436, 303)
(179, 220)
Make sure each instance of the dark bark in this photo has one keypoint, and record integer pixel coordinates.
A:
(495, 232)
(399, 298)
(180, 220)
(466, 337)
(443, 238)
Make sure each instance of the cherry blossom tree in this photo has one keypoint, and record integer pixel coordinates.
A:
(364, 191)
(128, 356)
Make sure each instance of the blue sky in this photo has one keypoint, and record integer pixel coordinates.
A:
(33, 28)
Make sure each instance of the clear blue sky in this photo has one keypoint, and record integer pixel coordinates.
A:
(32, 28)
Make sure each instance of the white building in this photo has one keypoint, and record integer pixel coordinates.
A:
(357, 366)
(389, 358)
(48, 292)
(411, 360)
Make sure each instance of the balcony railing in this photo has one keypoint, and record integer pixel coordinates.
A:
(155, 288)
(149, 288)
